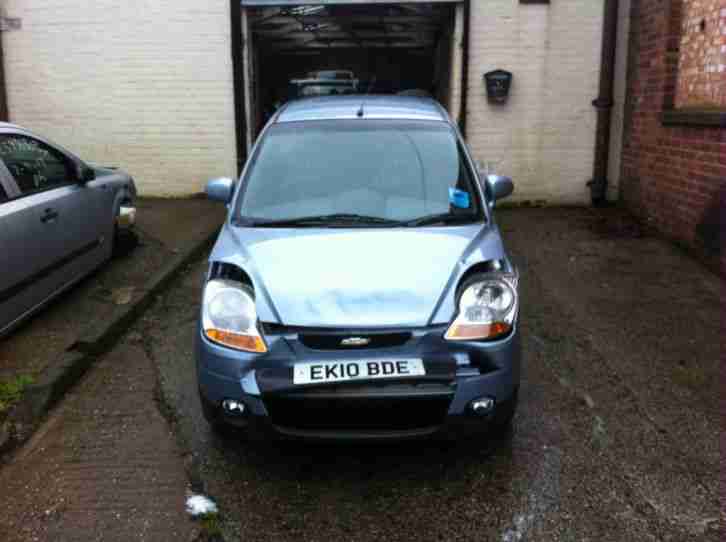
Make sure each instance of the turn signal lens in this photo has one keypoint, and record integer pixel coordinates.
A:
(487, 308)
(234, 340)
(467, 332)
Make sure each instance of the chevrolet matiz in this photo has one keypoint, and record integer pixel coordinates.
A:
(359, 288)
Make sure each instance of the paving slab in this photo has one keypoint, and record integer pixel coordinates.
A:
(104, 465)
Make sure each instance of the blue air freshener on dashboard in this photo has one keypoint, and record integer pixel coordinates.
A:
(459, 198)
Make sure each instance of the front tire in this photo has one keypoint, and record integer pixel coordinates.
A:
(124, 242)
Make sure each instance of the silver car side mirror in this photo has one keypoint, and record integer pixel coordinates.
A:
(220, 189)
(498, 187)
(84, 173)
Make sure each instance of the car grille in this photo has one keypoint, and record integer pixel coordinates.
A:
(390, 407)
(318, 338)
(321, 341)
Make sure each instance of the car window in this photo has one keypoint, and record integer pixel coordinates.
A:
(3, 194)
(34, 165)
(325, 90)
(396, 170)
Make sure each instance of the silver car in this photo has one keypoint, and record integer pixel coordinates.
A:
(58, 220)
(360, 288)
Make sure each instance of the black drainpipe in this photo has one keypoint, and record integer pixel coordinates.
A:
(3, 92)
(465, 67)
(604, 104)
(238, 85)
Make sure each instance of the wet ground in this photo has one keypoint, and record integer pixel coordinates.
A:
(616, 437)
(103, 467)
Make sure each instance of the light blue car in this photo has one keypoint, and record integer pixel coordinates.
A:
(58, 220)
(359, 288)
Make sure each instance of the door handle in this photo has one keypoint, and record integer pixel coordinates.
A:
(49, 215)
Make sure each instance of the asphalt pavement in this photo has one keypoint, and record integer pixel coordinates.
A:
(616, 436)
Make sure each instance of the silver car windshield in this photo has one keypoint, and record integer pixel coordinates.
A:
(384, 171)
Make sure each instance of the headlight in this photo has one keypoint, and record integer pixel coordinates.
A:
(487, 309)
(229, 316)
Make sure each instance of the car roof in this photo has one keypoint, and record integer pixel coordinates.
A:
(374, 107)
(9, 126)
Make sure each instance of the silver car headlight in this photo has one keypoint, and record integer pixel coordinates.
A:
(229, 316)
(487, 308)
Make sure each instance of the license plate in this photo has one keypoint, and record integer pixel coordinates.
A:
(341, 371)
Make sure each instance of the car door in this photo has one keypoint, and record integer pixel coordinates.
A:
(25, 251)
(14, 262)
(43, 231)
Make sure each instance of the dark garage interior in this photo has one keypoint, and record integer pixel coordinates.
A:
(390, 48)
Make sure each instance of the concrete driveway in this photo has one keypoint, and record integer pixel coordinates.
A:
(616, 437)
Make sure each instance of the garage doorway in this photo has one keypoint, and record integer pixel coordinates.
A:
(297, 49)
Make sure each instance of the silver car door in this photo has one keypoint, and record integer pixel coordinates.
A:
(42, 250)
(23, 256)
(87, 219)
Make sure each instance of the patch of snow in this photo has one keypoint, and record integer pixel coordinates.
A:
(199, 505)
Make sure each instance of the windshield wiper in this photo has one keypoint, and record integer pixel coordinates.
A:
(336, 219)
(440, 218)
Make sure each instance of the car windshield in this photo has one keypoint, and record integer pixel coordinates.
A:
(378, 172)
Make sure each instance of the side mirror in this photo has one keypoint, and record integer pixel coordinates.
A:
(84, 173)
(220, 189)
(499, 187)
(88, 174)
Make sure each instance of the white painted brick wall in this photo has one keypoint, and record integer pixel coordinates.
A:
(544, 136)
(147, 85)
(142, 84)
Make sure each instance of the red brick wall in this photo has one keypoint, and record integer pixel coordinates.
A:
(673, 177)
(702, 55)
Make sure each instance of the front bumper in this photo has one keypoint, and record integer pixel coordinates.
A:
(437, 405)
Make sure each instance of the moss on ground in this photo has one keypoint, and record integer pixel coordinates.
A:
(11, 390)
(211, 527)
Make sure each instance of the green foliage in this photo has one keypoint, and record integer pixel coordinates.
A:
(11, 390)
(211, 525)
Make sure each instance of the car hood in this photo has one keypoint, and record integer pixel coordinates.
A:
(356, 277)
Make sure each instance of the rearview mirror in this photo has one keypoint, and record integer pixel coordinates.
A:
(220, 189)
(499, 187)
